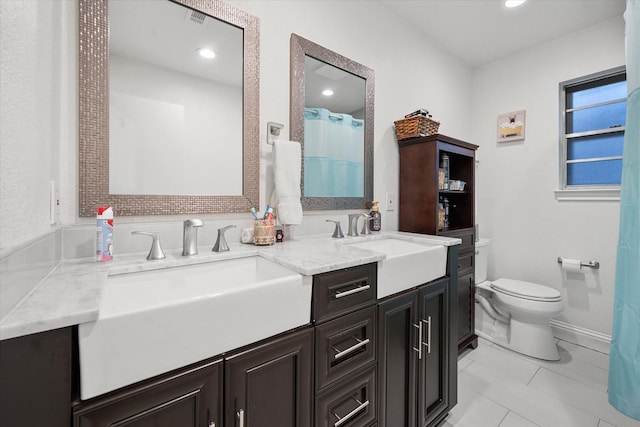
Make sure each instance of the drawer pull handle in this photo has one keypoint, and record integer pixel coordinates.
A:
(428, 343)
(350, 414)
(240, 415)
(351, 349)
(419, 349)
(351, 291)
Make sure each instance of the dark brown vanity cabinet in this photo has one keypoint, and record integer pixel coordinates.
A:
(420, 198)
(271, 384)
(344, 313)
(36, 383)
(417, 357)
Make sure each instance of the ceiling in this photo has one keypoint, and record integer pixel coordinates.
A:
(482, 31)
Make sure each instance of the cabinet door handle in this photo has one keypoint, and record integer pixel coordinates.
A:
(351, 291)
(240, 415)
(351, 349)
(419, 349)
(428, 343)
(351, 414)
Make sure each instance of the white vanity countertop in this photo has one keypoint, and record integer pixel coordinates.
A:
(70, 294)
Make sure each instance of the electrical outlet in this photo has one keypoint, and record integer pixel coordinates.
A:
(390, 201)
(54, 203)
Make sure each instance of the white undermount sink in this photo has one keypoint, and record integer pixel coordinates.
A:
(156, 321)
(408, 263)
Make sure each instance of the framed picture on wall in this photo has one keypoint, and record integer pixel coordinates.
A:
(511, 126)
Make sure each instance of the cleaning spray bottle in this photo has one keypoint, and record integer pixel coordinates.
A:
(376, 222)
(104, 234)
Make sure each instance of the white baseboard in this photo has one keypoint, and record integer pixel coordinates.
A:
(580, 336)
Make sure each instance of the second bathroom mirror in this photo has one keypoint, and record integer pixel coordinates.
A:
(332, 117)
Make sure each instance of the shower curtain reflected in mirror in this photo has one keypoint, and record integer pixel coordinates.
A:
(333, 150)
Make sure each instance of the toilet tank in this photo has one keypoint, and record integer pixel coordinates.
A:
(482, 259)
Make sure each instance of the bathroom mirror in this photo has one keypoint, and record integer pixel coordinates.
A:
(336, 131)
(164, 131)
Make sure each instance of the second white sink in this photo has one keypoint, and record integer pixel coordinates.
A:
(156, 321)
(407, 264)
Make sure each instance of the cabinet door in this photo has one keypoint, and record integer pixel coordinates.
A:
(191, 398)
(270, 384)
(466, 307)
(397, 360)
(433, 375)
(35, 379)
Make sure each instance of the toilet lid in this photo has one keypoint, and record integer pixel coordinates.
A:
(526, 290)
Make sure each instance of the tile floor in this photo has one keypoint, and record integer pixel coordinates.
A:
(500, 388)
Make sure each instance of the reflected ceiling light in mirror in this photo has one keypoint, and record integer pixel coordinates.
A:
(327, 92)
(513, 3)
(206, 53)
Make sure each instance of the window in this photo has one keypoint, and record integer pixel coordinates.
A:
(593, 117)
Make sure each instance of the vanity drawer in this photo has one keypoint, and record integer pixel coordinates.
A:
(467, 236)
(342, 291)
(345, 345)
(465, 262)
(351, 403)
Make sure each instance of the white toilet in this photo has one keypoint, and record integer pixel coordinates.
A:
(513, 313)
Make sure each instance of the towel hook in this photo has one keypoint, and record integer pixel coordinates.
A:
(273, 130)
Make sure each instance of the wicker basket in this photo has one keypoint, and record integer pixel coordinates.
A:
(414, 127)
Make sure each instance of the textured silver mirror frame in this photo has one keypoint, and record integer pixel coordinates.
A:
(299, 48)
(93, 152)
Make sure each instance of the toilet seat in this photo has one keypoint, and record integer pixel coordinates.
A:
(526, 290)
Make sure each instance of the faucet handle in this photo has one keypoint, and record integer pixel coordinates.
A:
(337, 233)
(156, 252)
(221, 243)
(366, 228)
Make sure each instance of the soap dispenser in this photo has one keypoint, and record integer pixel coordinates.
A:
(376, 222)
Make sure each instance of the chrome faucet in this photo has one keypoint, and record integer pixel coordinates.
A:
(190, 236)
(353, 224)
(221, 243)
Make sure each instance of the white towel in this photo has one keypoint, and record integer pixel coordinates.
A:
(287, 158)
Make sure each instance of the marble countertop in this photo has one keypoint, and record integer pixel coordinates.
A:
(70, 294)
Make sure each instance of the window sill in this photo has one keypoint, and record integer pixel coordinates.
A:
(590, 195)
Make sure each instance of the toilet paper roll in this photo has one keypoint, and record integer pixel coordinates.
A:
(569, 264)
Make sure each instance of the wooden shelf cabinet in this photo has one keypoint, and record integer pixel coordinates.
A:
(419, 200)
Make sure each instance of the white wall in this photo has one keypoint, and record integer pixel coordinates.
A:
(31, 44)
(517, 208)
(161, 117)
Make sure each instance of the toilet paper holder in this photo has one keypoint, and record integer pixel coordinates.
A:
(592, 264)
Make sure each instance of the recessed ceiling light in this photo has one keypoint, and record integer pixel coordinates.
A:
(206, 53)
(513, 3)
(327, 92)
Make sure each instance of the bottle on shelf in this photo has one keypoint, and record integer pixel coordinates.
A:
(445, 204)
(444, 164)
